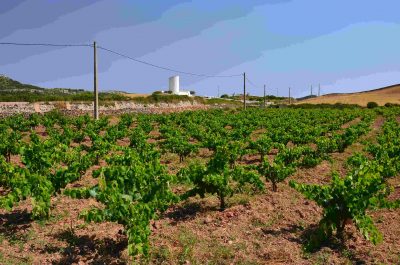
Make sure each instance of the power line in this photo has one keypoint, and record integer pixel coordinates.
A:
(116, 53)
(251, 83)
(164, 68)
(45, 44)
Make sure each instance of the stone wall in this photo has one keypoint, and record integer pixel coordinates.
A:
(10, 108)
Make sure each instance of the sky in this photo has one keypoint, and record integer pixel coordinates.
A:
(345, 46)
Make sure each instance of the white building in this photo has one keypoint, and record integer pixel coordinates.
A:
(174, 87)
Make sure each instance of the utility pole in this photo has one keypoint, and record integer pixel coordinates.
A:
(290, 99)
(311, 91)
(319, 90)
(264, 98)
(96, 94)
(244, 90)
(218, 91)
(276, 92)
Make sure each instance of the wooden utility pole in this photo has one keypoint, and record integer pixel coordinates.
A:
(311, 91)
(96, 94)
(290, 99)
(264, 98)
(244, 90)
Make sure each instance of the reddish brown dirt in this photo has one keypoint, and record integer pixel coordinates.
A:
(350, 123)
(257, 133)
(63, 239)
(41, 130)
(267, 229)
(123, 142)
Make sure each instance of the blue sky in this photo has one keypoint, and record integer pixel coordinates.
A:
(343, 45)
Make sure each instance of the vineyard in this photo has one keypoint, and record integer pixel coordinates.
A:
(261, 186)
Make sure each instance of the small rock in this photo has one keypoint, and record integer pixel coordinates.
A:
(208, 220)
(156, 225)
(301, 214)
(269, 207)
(229, 214)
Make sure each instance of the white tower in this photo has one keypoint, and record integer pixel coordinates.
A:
(174, 84)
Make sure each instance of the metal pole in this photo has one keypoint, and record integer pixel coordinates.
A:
(96, 94)
(244, 90)
(264, 98)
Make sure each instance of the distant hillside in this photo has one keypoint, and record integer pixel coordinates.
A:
(7, 84)
(14, 91)
(306, 97)
(390, 94)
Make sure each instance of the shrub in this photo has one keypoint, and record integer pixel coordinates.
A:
(372, 105)
(348, 199)
(218, 177)
(275, 172)
(391, 105)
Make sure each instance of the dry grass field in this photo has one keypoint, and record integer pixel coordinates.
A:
(381, 96)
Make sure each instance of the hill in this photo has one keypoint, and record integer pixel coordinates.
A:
(9, 85)
(14, 91)
(390, 94)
